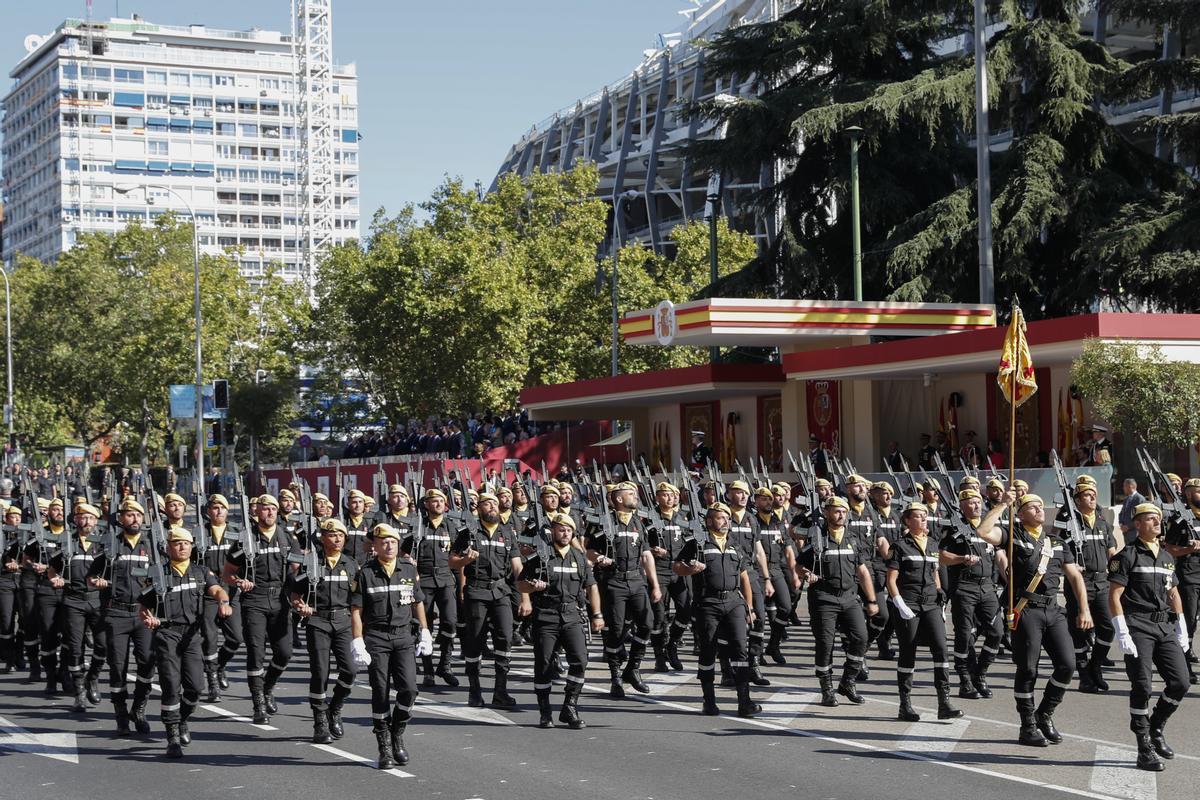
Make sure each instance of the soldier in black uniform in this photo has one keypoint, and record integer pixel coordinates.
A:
(488, 557)
(323, 598)
(1040, 561)
(81, 607)
(972, 564)
(722, 605)
(836, 569)
(881, 626)
(10, 589)
(398, 512)
(1146, 613)
(215, 626)
(1183, 542)
(259, 571)
(861, 524)
(439, 588)
(175, 618)
(119, 575)
(48, 598)
(1098, 546)
(383, 605)
(781, 566)
(743, 529)
(620, 553)
(559, 582)
(915, 589)
(358, 527)
(665, 545)
(322, 506)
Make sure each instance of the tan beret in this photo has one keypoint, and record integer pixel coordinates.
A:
(218, 500)
(911, 507)
(967, 494)
(55, 502)
(718, 507)
(854, 478)
(318, 497)
(398, 488)
(488, 497)
(129, 504)
(286, 493)
(837, 502)
(179, 535)
(169, 496)
(1029, 498)
(87, 508)
(382, 531)
(549, 489)
(1146, 508)
(268, 500)
(563, 519)
(882, 485)
(666, 486)
(1020, 484)
(745, 487)
(822, 482)
(432, 493)
(333, 525)
(763, 491)
(355, 494)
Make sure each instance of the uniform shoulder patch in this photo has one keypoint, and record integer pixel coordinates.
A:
(1114, 564)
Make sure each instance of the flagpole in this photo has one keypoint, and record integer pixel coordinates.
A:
(1012, 474)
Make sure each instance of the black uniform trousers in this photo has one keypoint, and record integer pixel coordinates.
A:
(30, 627)
(928, 627)
(329, 634)
(1156, 647)
(179, 656)
(626, 606)
(721, 624)
(1189, 594)
(220, 636)
(80, 615)
(49, 603)
(676, 591)
(757, 584)
(1100, 637)
(552, 627)
(445, 600)
(121, 625)
(393, 661)
(480, 614)
(9, 601)
(975, 611)
(1042, 626)
(831, 613)
(883, 623)
(266, 617)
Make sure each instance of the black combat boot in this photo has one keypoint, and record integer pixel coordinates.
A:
(633, 675)
(444, 670)
(904, 681)
(321, 734)
(500, 696)
(50, 667)
(710, 695)
(1147, 759)
(138, 714)
(1031, 735)
(966, 682)
(746, 706)
(475, 695)
(174, 745)
(615, 690)
(211, 683)
(81, 704)
(185, 733)
(1045, 724)
(427, 682)
(1158, 720)
(727, 679)
(121, 716)
(828, 698)
(340, 693)
(399, 723)
(1095, 669)
(269, 681)
(660, 653)
(223, 659)
(772, 651)
(383, 738)
(673, 648)
(755, 674)
(569, 714)
(941, 683)
(847, 687)
(261, 717)
(545, 715)
(979, 677)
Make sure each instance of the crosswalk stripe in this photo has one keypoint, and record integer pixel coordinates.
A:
(784, 706)
(934, 739)
(1115, 774)
(665, 683)
(399, 773)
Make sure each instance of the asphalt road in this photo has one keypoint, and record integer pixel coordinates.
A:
(656, 746)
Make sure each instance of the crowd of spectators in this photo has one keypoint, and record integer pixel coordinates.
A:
(455, 436)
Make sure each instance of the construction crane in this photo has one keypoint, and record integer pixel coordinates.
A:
(312, 57)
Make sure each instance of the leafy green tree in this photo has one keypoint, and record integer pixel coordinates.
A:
(1140, 393)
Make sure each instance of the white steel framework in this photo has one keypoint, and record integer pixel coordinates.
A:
(312, 42)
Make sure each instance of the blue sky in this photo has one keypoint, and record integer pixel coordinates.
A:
(445, 86)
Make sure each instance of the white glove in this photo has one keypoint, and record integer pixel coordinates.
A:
(1124, 640)
(1185, 641)
(425, 645)
(902, 607)
(358, 652)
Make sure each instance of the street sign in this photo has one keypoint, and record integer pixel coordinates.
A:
(304, 441)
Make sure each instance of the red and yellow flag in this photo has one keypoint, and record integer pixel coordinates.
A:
(1016, 363)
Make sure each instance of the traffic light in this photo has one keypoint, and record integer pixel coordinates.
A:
(221, 394)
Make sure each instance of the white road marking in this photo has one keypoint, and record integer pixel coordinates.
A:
(399, 773)
(787, 704)
(1117, 775)
(665, 683)
(481, 716)
(237, 717)
(934, 739)
(58, 746)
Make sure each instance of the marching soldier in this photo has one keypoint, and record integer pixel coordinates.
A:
(744, 531)
(81, 608)
(398, 512)
(780, 562)
(383, 605)
(39, 555)
(521, 508)
(723, 608)
(881, 626)
(174, 507)
(915, 589)
(358, 527)
(258, 566)
(175, 619)
(620, 553)
(1183, 542)
(1092, 557)
(1040, 563)
(323, 598)
(559, 581)
(1143, 597)
(972, 564)
(862, 528)
(215, 625)
(119, 577)
(10, 589)
(665, 546)
(836, 570)
(488, 557)
(439, 587)
(322, 507)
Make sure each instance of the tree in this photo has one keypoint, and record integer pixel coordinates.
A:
(103, 331)
(1140, 393)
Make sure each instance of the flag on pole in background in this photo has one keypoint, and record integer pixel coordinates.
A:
(1016, 363)
(1064, 426)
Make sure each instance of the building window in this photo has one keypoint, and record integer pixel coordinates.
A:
(202, 80)
(156, 148)
(124, 75)
(156, 78)
(223, 80)
(180, 79)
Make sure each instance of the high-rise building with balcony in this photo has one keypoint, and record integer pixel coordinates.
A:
(211, 114)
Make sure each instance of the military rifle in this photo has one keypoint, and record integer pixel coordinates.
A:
(1161, 485)
(1074, 531)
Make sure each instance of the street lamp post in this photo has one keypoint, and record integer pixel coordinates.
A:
(616, 249)
(855, 216)
(8, 408)
(126, 189)
(713, 196)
